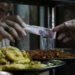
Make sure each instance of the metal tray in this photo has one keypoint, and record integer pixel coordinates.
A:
(69, 58)
(48, 59)
(63, 59)
(33, 70)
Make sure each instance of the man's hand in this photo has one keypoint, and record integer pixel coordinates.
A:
(68, 29)
(15, 25)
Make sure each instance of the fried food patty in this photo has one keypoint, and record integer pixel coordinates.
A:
(15, 55)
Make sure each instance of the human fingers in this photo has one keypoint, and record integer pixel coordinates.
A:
(5, 34)
(59, 27)
(61, 36)
(66, 39)
(16, 26)
(17, 19)
(11, 30)
(14, 33)
(2, 24)
(70, 25)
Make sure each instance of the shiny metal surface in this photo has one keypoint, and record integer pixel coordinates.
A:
(5, 73)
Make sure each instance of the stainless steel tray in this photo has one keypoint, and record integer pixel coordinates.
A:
(34, 70)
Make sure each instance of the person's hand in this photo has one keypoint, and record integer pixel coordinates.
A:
(68, 31)
(14, 25)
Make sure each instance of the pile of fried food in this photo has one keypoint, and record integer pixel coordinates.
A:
(12, 58)
(54, 53)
